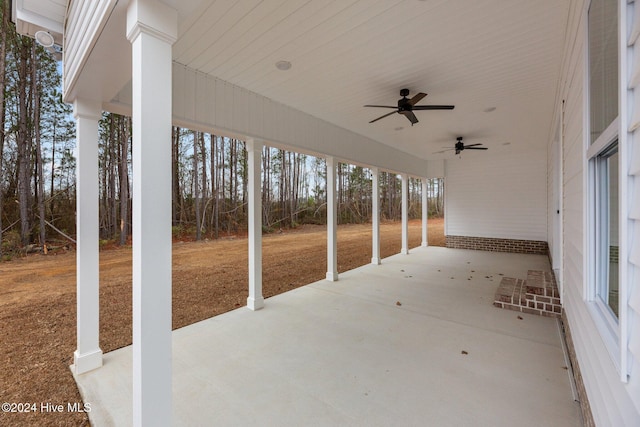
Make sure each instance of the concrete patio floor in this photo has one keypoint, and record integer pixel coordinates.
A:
(412, 342)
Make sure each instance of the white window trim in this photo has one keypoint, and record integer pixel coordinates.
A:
(609, 135)
(607, 325)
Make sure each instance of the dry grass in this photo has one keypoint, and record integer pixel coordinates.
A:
(38, 303)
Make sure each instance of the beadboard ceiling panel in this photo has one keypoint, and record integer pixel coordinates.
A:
(347, 53)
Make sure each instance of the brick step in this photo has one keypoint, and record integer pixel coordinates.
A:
(542, 283)
(536, 295)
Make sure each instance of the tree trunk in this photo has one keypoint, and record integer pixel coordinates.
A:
(53, 155)
(214, 184)
(221, 166)
(36, 130)
(175, 161)
(3, 51)
(196, 184)
(245, 179)
(124, 179)
(23, 141)
(111, 160)
(203, 150)
(266, 196)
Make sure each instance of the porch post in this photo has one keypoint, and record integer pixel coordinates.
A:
(375, 216)
(425, 212)
(151, 29)
(255, 301)
(88, 355)
(405, 214)
(332, 222)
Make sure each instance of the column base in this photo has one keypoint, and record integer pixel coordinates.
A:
(86, 362)
(424, 244)
(404, 251)
(332, 277)
(255, 303)
(376, 261)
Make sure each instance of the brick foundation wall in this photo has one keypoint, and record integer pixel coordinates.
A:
(498, 245)
(587, 417)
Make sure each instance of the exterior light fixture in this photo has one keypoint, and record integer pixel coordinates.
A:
(44, 38)
(283, 65)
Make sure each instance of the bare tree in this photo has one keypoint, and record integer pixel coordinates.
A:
(196, 185)
(36, 89)
(110, 171)
(3, 73)
(125, 126)
(203, 154)
(23, 138)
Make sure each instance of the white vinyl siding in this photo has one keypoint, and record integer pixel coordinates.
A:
(208, 104)
(613, 402)
(631, 177)
(499, 193)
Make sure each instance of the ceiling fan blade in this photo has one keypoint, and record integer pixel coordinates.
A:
(382, 117)
(471, 145)
(409, 115)
(382, 106)
(475, 148)
(433, 107)
(443, 151)
(416, 98)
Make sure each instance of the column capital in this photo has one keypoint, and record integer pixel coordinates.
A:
(254, 144)
(87, 109)
(154, 18)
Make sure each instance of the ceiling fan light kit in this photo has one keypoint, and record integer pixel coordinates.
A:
(407, 106)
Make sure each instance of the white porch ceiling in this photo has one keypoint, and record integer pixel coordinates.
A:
(348, 53)
(474, 54)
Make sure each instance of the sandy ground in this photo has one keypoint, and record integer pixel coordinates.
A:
(38, 302)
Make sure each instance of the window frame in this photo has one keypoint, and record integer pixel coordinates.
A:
(607, 323)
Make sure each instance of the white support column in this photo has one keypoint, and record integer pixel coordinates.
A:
(425, 213)
(255, 301)
(375, 216)
(332, 221)
(88, 355)
(151, 29)
(405, 214)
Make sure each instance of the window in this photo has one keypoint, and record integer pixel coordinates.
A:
(606, 232)
(603, 66)
(602, 157)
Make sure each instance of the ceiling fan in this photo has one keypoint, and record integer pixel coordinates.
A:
(407, 106)
(461, 147)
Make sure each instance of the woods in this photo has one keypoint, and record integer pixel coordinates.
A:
(36, 143)
(209, 174)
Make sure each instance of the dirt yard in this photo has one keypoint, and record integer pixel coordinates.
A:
(38, 301)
